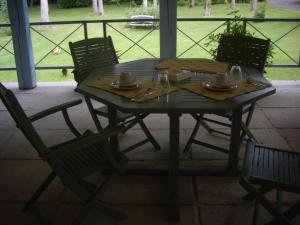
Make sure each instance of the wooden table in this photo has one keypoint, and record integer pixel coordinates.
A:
(179, 102)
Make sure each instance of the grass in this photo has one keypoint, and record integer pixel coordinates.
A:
(195, 30)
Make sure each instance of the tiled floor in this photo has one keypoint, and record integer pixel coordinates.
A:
(203, 200)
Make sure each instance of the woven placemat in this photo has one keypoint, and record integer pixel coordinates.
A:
(244, 87)
(204, 66)
(135, 95)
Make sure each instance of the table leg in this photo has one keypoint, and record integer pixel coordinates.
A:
(173, 173)
(233, 161)
(112, 120)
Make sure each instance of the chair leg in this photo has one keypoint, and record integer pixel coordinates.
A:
(255, 213)
(93, 114)
(290, 213)
(279, 200)
(130, 125)
(192, 137)
(147, 132)
(251, 196)
(293, 211)
(39, 191)
(204, 124)
(279, 217)
(245, 125)
(92, 200)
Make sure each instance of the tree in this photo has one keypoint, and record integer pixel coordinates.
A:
(207, 8)
(232, 5)
(98, 7)
(145, 3)
(191, 3)
(44, 12)
(253, 5)
(154, 3)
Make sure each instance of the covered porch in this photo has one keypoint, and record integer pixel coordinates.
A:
(204, 200)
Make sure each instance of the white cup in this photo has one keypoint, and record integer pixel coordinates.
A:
(127, 79)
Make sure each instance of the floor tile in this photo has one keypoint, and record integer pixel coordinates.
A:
(20, 179)
(137, 215)
(282, 97)
(147, 151)
(283, 117)
(11, 214)
(292, 138)
(147, 189)
(219, 190)
(226, 214)
(271, 138)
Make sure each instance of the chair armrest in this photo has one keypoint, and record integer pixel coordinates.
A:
(63, 108)
(54, 109)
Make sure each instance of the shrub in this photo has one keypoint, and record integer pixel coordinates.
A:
(3, 12)
(233, 28)
(182, 2)
(4, 17)
(260, 12)
(73, 3)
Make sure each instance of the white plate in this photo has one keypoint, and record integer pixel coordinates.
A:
(211, 86)
(116, 84)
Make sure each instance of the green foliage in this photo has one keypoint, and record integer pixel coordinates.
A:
(133, 4)
(116, 2)
(73, 3)
(4, 17)
(182, 2)
(260, 12)
(3, 12)
(234, 27)
(214, 2)
(151, 11)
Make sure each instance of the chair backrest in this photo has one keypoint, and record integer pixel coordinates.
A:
(16, 111)
(90, 54)
(243, 50)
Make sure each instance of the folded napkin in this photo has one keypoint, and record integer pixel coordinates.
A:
(146, 90)
(205, 66)
(245, 86)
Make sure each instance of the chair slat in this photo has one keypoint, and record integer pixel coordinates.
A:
(91, 54)
(243, 50)
(273, 167)
(284, 176)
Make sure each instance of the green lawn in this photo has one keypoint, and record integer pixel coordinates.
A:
(196, 30)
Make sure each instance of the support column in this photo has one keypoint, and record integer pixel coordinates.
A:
(168, 28)
(18, 15)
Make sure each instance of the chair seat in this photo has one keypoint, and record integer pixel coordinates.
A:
(273, 168)
(121, 116)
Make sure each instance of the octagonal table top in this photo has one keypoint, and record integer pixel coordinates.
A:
(181, 101)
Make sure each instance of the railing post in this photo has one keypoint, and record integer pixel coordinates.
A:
(85, 30)
(244, 25)
(104, 29)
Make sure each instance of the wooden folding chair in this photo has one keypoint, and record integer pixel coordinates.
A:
(95, 53)
(266, 169)
(244, 51)
(73, 160)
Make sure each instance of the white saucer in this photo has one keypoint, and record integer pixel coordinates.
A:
(116, 84)
(214, 87)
